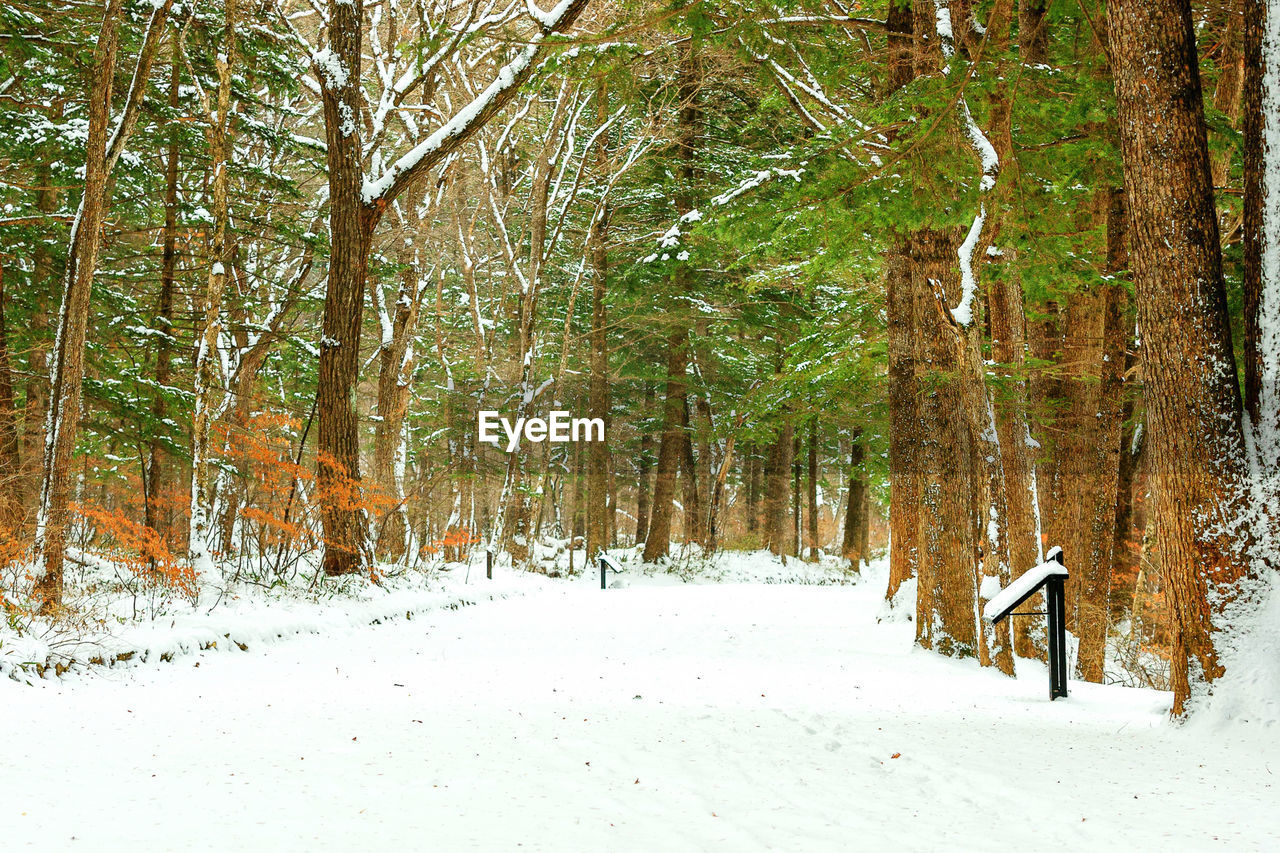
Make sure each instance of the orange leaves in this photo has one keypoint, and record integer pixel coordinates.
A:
(138, 548)
(454, 541)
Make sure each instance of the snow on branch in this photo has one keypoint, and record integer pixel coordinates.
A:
(383, 189)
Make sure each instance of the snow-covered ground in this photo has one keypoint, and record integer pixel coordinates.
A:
(657, 715)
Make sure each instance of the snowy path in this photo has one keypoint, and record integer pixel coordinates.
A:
(651, 719)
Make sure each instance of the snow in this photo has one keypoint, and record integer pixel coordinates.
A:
(742, 715)
(1022, 586)
(331, 68)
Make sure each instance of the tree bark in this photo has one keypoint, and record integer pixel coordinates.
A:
(948, 567)
(10, 448)
(777, 471)
(671, 448)
(67, 369)
(209, 383)
(904, 421)
(643, 466)
(856, 518)
(813, 490)
(1008, 350)
(600, 504)
(159, 476)
(346, 547)
(1193, 400)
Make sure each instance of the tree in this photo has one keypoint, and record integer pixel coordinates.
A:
(1193, 401)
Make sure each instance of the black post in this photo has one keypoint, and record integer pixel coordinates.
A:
(1057, 638)
(603, 569)
(488, 564)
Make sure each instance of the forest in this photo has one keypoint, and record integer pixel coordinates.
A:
(951, 282)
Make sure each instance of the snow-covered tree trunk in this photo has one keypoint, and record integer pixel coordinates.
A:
(210, 379)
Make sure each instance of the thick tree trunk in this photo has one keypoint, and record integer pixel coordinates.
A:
(346, 547)
(948, 567)
(1193, 400)
(67, 369)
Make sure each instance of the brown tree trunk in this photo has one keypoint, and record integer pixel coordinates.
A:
(37, 403)
(1193, 400)
(753, 490)
(395, 368)
(1008, 344)
(350, 235)
(948, 567)
(643, 465)
(160, 480)
(813, 490)
(1033, 35)
(600, 503)
(797, 536)
(62, 423)
(671, 448)
(10, 449)
(904, 422)
(855, 516)
(689, 481)
(674, 435)
(777, 471)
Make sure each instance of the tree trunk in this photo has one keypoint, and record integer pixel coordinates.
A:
(777, 471)
(1261, 234)
(67, 369)
(1033, 35)
(797, 537)
(395, 370)
(689, 481)
(671, 448)
(855, 516)
(208, 380)
(948, 568)
(813, 490)
(643, 465)
(1193, 400)
(904, 422)
(600, 504)
(346, 548)
(1008, 344)
(10, 449)
(159, 476)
